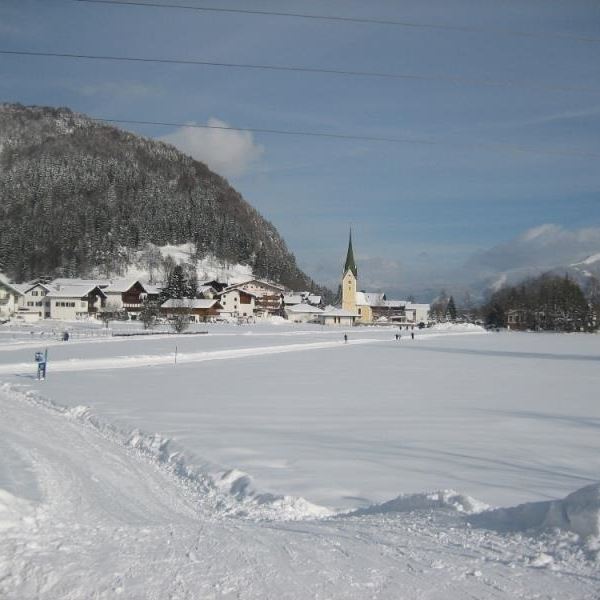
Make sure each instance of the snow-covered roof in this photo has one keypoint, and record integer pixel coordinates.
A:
(394, 303)
(11, 286)
(122, 285)
(73, 291)
(151, 289)
(314, 299)
(292, 299)
(237, 289)
(332, 311)
(370, 298)
(204, 289)
(60, 281)
(303, 308)
(259, 282)
(189, 303)
(25, 287)
(411, 305)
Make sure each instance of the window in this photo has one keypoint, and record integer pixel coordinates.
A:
(34, 293)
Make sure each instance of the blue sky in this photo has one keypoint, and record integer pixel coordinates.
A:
(418, 212)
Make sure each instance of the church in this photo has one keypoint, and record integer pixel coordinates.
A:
(374, 307)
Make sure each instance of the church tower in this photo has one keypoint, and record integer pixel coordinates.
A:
(349, 280)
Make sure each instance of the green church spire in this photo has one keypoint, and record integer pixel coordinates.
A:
(350, 264)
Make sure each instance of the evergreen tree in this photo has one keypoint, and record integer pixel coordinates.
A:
(177, 285)
(451, 309)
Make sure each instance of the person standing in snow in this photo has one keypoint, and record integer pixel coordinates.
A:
(412, 335)
(345, 338)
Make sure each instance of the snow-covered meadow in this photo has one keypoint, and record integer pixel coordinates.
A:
(274, 461)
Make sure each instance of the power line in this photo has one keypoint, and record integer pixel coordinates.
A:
(351, 20)
(515, 149)
(310, 70)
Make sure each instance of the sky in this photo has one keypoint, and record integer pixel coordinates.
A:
(511, 122)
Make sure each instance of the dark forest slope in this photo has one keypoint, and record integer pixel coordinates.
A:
(78, 197)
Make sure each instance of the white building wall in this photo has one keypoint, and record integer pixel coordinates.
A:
(68, 309)
(8, 302)
(335, 321)
(34, 303)
(302, 317)
(230, 301)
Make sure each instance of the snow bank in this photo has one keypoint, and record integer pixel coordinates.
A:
(264, 505)
(579, 513)
(232, 491)
(444, 499)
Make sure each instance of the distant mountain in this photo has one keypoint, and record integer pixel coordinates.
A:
(548, 248)
(79, 198)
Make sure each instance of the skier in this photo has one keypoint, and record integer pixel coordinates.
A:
(412, 335)
(345, 338)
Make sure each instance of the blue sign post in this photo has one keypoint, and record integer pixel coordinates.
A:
(41, 358)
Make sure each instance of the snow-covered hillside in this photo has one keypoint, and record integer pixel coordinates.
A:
(279, 462)
(206, 269)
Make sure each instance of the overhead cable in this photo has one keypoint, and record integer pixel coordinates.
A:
(351, 20)
(513, 84)
(510, 148)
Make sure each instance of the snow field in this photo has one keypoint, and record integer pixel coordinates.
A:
(272, 473)
(121, 516)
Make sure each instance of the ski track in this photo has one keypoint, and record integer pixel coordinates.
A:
(136, 361)
(111, 522)
(128, 362)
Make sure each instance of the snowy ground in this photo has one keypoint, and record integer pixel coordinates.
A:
(92, 504)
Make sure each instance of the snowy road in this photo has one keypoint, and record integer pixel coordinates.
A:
(87, 511)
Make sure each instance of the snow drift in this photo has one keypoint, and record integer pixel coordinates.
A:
(444, 499)
(579, 513)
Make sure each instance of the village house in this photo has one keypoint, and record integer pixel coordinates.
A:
(517, 319)
(237, 303)
(197, 310)
(71, 302)
(128, 295)
(33, 304)
(302, 313)
(9, 298)
(266, 293)
(337, 317)
(301, 298)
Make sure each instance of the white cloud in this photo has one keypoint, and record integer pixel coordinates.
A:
(546, 245)
(229, 153)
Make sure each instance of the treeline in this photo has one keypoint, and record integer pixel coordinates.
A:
(80, 198)
(546, 303)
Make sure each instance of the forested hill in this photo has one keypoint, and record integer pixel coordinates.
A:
(78, 198)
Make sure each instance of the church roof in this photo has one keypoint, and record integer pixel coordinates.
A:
(370, 298)
(350, 263)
